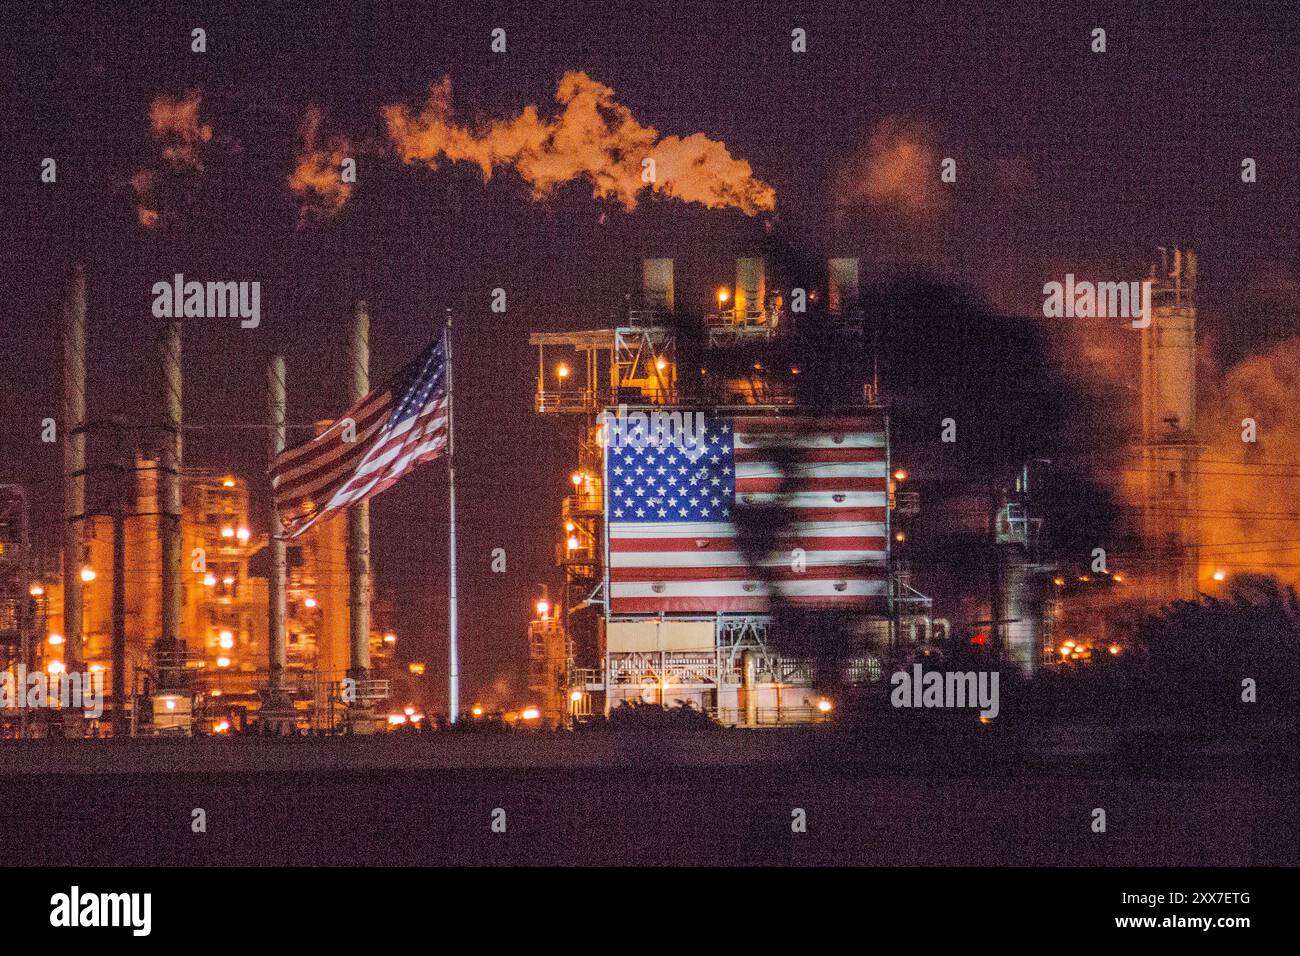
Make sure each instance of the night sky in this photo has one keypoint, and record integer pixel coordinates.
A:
(1067, 161)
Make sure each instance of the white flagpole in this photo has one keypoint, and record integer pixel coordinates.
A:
(453, 672)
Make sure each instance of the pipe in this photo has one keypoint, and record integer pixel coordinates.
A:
(74, 468)
(278, 550)
(657, 284)
(842, 282)
(358, 550)
(170, 485)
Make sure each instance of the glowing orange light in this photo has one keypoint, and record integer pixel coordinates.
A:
(543, 608)
(824, 705)
(415, 668)
(530, 713)
(660, 364)
(210, 580)
(390, 638)
(226, 639)
(223, 661)
(477, 711)
(227, 532)
(309, 602)
(36, 590)
(56, 639)
(562, 371)
(573, 542)
(87, 574)
(242, 534)
(723, 295)
(1220, 575)
(228, 483)
(900, 474)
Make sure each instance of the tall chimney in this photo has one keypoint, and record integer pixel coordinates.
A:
(169, 482)
(751, 287)
(74, 467)
(358, 518)
(278, 551)
(842, 285)
(657, 284)
(1171, 522)
(1169, 352)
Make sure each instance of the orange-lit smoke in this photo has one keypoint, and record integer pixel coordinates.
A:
(175, 126)
(592, 137)
(897, 170)
(317, 178)
(1250, 492)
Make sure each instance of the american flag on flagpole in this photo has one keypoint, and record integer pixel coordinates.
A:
(393, 429)
(670, 502)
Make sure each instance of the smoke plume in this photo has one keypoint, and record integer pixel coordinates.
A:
(317, 178)
(182, 139)
(592, 137)
(1250, 490)
(897, 171)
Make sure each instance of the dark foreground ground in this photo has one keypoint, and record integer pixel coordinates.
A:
(422, 801)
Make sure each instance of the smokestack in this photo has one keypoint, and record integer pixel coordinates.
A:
(74, 467)
(358, 516)
(657, 284)
(1169, 352)
(1170, 455)
(842, 281)
(278, 551)
(169, 482)
(751, 287)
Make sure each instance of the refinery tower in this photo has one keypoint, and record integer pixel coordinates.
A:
(661, 600)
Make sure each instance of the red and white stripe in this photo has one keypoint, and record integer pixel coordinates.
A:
(327, 474)
(837, 490)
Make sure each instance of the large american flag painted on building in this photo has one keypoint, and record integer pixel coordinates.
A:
(670, 504)
(394, 429)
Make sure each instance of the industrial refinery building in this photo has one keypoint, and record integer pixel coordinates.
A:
(664, 598)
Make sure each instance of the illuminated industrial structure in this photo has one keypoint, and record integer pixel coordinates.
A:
(586, 657)
(219, 672)
(1171, 452)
